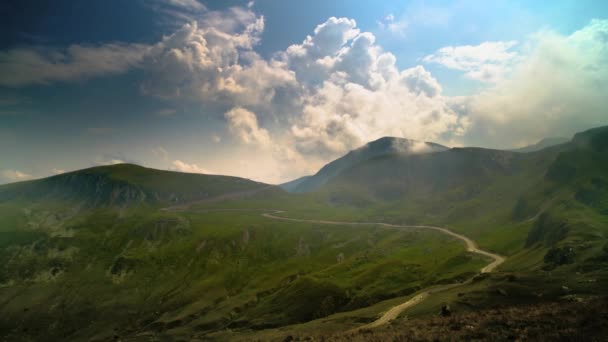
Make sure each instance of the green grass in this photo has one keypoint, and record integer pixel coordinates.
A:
(220, 269)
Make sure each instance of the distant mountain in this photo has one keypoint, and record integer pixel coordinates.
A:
(544, 143)
(574, 173)
(127, 184)
(382, 146)
(292, 185)
(399, 177)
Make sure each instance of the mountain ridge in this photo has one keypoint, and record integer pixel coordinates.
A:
(126, 184)
(381, 146)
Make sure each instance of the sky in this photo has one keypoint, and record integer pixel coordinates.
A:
(273, 90)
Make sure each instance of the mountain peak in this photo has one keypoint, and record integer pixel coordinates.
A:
(403, 145)
(378, 147)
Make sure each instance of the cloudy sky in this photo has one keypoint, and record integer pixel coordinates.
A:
(272, 90)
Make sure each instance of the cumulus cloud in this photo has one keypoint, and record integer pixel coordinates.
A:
(244, 125)
(338, 88)
(358, 94)
(15, 176)
(343, 91)
(213, 61)
(181, 166)
(557, 89)
(487, 62)
(56, 171)
(42, 65)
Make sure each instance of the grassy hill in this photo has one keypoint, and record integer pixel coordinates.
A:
(380, 147)
(114, 251)
(127, 184)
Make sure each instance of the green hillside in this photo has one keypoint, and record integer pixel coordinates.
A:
(381, 147)
(125, 184)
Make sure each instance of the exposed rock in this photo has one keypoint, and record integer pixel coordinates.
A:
(340, 258)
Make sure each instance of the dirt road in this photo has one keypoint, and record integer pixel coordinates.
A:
(393, 312)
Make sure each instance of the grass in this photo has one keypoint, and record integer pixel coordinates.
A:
(139, 269)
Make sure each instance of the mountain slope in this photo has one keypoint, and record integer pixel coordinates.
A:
(542, 144)
(292, 185)
(126, 184)
(382, 146)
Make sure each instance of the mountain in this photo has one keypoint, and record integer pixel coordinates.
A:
(127, 184)
(396, 176)
(292, 185)
(542, 144)
(382, 146)
(562, 191)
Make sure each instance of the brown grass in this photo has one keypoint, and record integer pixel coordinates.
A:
(554, 321)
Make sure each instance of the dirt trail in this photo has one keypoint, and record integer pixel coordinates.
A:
(393, 312)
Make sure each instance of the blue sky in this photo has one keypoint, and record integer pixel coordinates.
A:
(236, 87)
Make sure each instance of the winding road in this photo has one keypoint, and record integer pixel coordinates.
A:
(393, 312)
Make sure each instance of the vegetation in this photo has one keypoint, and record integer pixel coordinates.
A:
(127, 252)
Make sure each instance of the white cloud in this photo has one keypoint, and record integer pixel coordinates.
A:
(181, 166)
(40, 65)
(111, 161)
(244, 124)
(56, 171)
(397, 27)
(557, 89)
(487, 62)
(358, 94)
(213, 61)
(316, 55)
(339, 89)
(15, 176)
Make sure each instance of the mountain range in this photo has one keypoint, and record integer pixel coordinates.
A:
(128, 252)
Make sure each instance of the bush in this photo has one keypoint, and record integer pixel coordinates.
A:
(557, 256)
